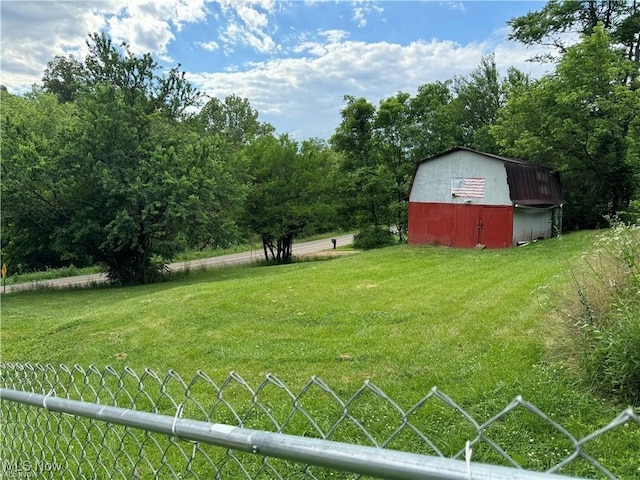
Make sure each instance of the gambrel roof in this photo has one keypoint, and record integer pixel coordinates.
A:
(529, 185)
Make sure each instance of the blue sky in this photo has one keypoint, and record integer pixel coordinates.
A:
(293, 60)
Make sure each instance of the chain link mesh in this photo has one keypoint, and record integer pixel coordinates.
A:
(37, 443)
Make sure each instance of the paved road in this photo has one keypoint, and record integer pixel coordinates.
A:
(299, 249)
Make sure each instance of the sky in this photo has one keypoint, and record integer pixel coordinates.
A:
(293, 60)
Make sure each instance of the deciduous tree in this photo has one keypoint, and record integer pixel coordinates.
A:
(556, 18)
(478, 98)
(393, 149)
(289, 193)
(119, 176)
(365, 188)
(583, 121)
(64, 77)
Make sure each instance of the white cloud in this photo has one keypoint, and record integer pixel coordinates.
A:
(236, 33)
(454, 6)
(33, 32)
(254, 19)
(302, 95)
(142, 30)
(147, 26)
(308, 92)
(359, 17)
(189, 11)
(209, 46)
(333, 36)
(248, 24)
(362, 9)
(314, 48)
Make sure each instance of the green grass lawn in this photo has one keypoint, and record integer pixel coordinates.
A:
(473, 323)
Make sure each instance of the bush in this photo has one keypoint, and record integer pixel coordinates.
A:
(603, 318)
(373, 237)
(632, 213)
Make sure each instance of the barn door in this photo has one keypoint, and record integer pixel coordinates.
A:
(489, 225)
(495, 226)
(464, 227)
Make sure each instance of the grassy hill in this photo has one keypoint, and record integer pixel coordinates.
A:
(452, 318)
(473, 323)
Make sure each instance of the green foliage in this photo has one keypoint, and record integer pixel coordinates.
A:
(120, 176)
(433, 128)
(64, 77)
(363, 195)
(602, 315)
(380, 146)
(33, 130)
(392, 139)
(582, 121)
(233, 119)
(547, 25)
(632, 214)
(373, 237)
(290, 192)
(475, 106)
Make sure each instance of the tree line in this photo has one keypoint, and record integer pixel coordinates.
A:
(112, 160)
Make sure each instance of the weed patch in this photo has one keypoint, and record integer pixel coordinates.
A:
(601, 314)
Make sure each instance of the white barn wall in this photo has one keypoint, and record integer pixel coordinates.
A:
(432, 182)
(531, 223)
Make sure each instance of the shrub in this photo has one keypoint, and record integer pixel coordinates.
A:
(632, 213)
(373, 237)
(603, 315)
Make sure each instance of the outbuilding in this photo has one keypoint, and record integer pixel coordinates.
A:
(464, 198)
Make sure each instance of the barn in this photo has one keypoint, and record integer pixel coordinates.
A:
(464, 198)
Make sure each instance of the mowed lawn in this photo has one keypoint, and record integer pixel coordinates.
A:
(476, 324)
(406, 318)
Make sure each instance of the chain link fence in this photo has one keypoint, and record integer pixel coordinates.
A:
(72, 422)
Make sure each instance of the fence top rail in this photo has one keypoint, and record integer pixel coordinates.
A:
(369, 415)
(372, 461)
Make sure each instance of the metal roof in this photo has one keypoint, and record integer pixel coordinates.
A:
(533, 185)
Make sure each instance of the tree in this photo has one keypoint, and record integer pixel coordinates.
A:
(476, 104)
(289, 193)
(148, 188)
(364, 187)
(582, 120)
(64, 77)
(457, 112)
(354, 136)
(130, 181)
(32, 130)
(380, 146)
(234, 119)
(433, 128)
(621, 19)
(138, 78)
(392, 140)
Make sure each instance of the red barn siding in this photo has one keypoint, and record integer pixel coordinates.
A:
(460, 226)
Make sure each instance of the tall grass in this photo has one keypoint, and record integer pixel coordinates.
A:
(601, 313)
